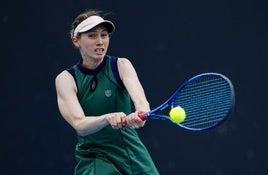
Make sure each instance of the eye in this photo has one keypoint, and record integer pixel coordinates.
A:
(92, 35)
(104, 35)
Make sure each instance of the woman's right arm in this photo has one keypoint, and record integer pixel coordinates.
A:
(73, 113)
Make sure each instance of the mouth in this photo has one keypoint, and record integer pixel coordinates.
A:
(99, 51)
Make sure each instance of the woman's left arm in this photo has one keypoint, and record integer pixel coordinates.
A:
(131, 81)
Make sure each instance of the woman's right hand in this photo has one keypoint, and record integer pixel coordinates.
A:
(117, 120)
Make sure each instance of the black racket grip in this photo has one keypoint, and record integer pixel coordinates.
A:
(142, 116)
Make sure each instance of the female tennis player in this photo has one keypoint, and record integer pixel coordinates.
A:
(94, 96)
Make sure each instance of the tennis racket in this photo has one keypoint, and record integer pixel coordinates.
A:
(208, 99)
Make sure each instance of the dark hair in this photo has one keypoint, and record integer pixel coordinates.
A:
(82, 16)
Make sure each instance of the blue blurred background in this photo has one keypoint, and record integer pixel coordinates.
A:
(168, 42)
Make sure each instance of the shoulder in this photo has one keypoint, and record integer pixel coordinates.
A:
(123, 59)
(64, 74)
(64, 77)
(122, 62)
(125, 68)
(65, 83)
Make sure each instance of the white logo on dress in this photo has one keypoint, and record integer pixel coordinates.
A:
(108, 93)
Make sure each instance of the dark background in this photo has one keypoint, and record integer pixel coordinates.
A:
(168, 42)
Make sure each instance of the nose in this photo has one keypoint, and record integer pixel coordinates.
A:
(99, 40)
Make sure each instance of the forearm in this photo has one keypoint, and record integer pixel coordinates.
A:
(141, 105)
(86, 125)
(90, 125)
(138, 98)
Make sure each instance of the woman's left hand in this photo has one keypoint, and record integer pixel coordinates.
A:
(134, 121)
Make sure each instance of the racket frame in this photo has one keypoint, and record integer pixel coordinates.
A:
(153, 114)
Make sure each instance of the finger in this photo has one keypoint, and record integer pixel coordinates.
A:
(118, 121)
(137, 123)
(123, 122)
(114, 126)
(115, 122)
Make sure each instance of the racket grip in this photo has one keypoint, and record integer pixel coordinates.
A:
(142, 116)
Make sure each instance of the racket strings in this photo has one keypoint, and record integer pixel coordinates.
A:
(206, 101)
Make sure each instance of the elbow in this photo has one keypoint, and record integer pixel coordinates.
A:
(81, 133)
(79, 130)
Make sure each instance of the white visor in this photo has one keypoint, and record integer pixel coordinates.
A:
(92, 22)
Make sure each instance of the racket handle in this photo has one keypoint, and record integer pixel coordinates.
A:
(142, 116)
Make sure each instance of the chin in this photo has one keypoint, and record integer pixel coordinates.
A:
(98, 57)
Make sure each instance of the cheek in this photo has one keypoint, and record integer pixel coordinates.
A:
(107, 43)
(86, 45)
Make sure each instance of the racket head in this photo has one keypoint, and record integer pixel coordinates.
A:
(208, 99)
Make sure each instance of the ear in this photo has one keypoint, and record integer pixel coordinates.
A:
(75, 42)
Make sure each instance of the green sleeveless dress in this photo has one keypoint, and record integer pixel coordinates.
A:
(108, 151)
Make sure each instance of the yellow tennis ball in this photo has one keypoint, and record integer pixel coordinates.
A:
(177, 114)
